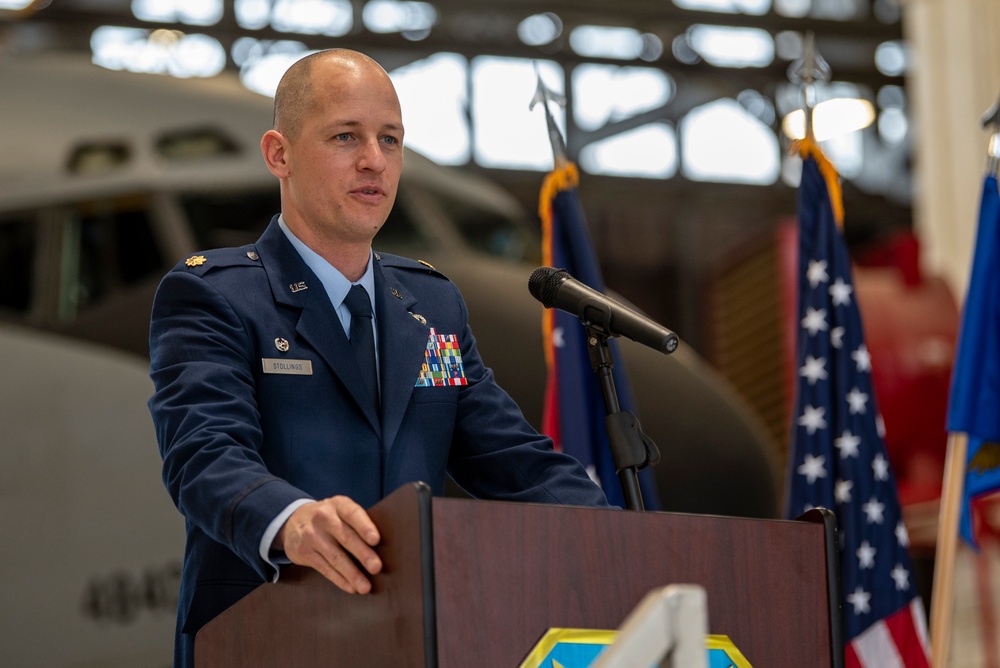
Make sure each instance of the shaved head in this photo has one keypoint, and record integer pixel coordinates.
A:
(295, 96)
(337, 150)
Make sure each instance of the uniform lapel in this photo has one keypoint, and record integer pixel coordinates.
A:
(402, 342)
(293, 284)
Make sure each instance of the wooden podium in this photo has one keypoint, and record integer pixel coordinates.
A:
(477, 583)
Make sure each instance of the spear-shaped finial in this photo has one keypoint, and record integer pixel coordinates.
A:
(992, 118)
(806, 71)
(545, 95)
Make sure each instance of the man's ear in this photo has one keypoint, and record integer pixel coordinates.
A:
(274, 147)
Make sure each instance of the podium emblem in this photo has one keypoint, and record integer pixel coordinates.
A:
(578, 648)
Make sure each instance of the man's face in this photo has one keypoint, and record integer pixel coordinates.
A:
(345, 162)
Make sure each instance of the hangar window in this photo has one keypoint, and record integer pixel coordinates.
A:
(614, 42)
(540, 29)
(192, 12)
(313, 17)
(412, 19)
(722, 141)
(17, 262)
(607, 94)
(263, 62)
(506, 133)
(725, 46)
(649, 151)
(729, 6)
(432, 93)
(157, 52)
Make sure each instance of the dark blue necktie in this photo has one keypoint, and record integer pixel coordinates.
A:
(363, 338)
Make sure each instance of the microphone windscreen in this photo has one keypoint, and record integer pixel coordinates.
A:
(544, 283)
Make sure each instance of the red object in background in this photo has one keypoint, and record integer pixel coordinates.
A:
(911, 329)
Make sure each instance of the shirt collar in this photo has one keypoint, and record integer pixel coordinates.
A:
(334, 282)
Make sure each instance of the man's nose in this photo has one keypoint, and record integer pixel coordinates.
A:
(371, 157)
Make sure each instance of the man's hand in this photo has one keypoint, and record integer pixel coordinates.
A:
(324, 533)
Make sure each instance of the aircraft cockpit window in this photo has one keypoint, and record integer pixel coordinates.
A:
(195, 144)
(239, 217)
(230, 218)
(97, 157)
(107, 246)
(400, 233)
(489, 230)
(17, 262)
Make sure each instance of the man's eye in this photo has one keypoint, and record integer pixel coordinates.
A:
(343, 136)
(390, 140)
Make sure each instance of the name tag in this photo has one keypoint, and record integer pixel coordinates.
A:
(293, 367)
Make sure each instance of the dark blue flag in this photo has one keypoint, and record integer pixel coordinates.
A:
(574, 406)
(974, 405)
(837, 458)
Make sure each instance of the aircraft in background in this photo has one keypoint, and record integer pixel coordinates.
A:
(107, 179)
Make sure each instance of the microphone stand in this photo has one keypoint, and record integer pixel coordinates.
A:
(631, 450)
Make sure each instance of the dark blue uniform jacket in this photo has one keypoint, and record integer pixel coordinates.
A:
(239, 444)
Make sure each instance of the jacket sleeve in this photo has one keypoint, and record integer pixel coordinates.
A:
(496, 454)
(207, 421)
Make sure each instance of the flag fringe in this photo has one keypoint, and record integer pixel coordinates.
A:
(558, 180)
(808, 147)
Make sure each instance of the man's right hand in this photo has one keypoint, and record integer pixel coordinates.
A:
(324, 533)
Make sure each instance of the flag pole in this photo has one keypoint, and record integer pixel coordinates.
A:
(544, 95)
(806, 72)
(943, 591)
(992, 117)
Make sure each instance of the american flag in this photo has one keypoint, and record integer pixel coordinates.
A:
(837, 458)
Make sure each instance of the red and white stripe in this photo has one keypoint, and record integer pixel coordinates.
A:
(898, 641)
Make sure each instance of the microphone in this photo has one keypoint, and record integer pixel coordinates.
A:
(556, 288)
